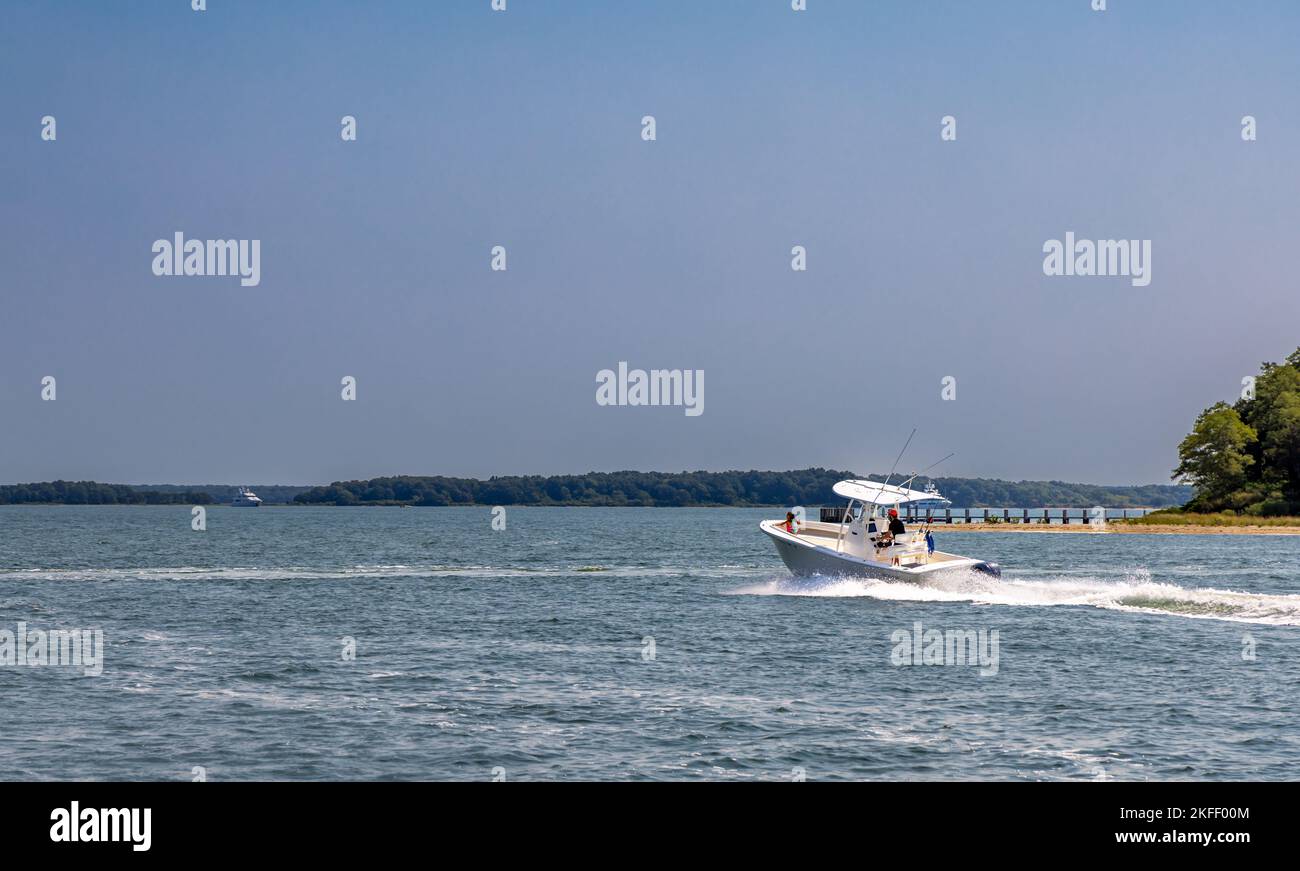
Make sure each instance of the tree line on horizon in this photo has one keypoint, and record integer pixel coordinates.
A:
(95, 493)
(742, 489)
(808, 487)
(1245, 457)
(270, 494)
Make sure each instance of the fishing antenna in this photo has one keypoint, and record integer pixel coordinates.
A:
(900, 456)
(896, 459)
(915, 475)
(922, 472)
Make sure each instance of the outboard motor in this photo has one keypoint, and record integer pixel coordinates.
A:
(992, 569)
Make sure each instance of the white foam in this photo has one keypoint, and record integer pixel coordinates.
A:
(1135, 592)
(359, 572)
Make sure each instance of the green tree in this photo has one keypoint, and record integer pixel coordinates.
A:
(1214, 456)
(1280, 425)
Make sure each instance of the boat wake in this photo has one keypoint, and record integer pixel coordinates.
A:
(364, 572)
(1136, 592)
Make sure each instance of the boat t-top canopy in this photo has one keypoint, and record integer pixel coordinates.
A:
(876, 493)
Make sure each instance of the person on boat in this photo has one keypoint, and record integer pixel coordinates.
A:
(896, 528)
(789, 523)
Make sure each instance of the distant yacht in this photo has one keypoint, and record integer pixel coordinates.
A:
(934, 502)
(246, 498)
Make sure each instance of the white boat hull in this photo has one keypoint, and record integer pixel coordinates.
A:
(807, 556)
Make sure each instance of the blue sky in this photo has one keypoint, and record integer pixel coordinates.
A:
(775, 128)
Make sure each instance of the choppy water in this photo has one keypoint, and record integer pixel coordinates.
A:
(526, 651)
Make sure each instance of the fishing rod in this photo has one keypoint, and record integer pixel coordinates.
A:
(915, 475)
(896, 459)
(926, 527)
(875, 503)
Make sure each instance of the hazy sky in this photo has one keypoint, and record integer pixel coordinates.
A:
(775, 128)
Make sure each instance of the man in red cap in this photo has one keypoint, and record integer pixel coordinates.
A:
(896, 527)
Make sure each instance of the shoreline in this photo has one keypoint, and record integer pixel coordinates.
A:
(1119, 527)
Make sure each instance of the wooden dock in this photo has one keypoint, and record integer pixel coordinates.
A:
(1084, 516)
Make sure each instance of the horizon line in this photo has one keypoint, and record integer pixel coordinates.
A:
(580, 474)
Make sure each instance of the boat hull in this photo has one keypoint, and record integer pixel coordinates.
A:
(807, 558)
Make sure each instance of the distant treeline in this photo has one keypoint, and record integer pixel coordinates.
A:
(993, 493)
(270, 494)
(800, 487)
(94, 493)
(671, 489)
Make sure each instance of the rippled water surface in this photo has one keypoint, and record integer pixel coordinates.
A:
(585, 643)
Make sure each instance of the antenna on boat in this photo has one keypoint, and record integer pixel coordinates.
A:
(896, 459)
(928, 468)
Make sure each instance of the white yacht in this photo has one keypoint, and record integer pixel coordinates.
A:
(860, 543)
(246, 498)
(933, 501)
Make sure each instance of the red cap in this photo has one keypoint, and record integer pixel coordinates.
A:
(893, 512)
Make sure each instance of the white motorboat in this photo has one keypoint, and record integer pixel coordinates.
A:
(861, 544)
(246, 498)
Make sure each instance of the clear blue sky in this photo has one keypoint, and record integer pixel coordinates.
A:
(522, 128)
